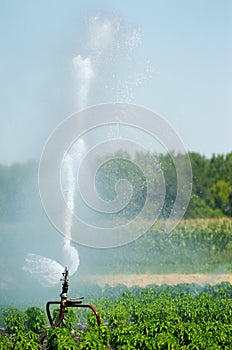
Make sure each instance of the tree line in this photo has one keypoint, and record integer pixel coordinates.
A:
(211, 184)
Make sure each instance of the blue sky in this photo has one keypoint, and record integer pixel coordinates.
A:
(186, 44)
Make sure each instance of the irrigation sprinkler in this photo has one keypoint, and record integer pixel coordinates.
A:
(65, 303)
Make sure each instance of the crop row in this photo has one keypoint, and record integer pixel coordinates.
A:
(150, 318)
(195, 246)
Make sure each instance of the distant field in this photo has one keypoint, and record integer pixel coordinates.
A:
(195, 248)
(144, 280)
(202, 246)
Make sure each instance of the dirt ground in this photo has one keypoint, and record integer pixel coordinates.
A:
(143, 280)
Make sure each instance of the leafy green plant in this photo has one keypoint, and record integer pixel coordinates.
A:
(117, 316)
(5, 343)
(25, 340)
(91, 318)
(8, 310)
(69, 318)
(35, 319)
(60, 339)
(182, 317)
(93, 339)
(166, 341)
(14, 321)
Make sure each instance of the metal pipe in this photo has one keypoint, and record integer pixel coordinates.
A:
(65, 302)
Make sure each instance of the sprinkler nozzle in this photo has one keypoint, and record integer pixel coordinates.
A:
(65, 285)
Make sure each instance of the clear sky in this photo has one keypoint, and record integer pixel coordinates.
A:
(178, 65)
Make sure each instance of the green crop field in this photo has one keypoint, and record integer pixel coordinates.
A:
(183, 317)
(186, 316)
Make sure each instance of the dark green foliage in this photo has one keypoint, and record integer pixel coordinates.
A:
(14, 321)
(60, 339)
(211, 196)
(122, 169)
(36, 319)
(219, 195)
(8, 310)
(165, 317)
(96, 338)
(25, 340)
(69, 318)
(4, 312)
(5, 343)
(117, 316)
(198, 208)
(211, 186)
(182, 317)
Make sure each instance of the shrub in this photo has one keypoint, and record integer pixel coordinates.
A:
(93, 339)
(60, 339)
(69, 318)
(35, 319)
(5, 344)
(25, 340)
(14, 321)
